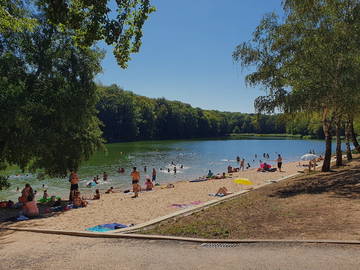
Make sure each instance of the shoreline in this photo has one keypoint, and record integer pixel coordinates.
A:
(121, 208)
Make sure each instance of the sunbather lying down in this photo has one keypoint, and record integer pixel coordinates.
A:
(223, 191)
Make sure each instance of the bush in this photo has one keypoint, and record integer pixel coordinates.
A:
(4, 183)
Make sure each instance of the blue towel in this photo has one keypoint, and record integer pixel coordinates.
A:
(106, 227)
(98, 229)
(114, 226)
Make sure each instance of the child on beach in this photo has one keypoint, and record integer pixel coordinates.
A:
(110, 190)
(97, 195)
(46, 195)
(149, 184)
(77, 201)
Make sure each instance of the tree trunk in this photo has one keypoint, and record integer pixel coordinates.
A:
(347, 141)
(338, 144)
(328, 140)
(353, 136)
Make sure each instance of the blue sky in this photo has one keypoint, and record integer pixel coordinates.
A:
(186, 53)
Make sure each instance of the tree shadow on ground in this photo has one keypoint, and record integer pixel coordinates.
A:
(344, 183)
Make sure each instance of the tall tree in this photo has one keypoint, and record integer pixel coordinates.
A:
(304, 62)
(47, 102)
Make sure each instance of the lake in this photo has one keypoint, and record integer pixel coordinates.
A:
(196, 156)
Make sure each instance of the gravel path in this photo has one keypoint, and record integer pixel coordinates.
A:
(22, 250)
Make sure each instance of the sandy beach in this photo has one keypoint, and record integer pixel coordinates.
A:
(121, 208)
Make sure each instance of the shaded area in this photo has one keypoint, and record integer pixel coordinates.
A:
(8, 215)
(316, 206)
(343, 183)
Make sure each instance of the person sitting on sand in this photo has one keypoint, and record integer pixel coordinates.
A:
(230, 169)
(149, 184)
(222, 192)
(25, 193)
(210, 174)
(220, 176)
(30, 208)
(58, 202)
(46, 195)
(77, 201)
(110, 190)
(97, 195)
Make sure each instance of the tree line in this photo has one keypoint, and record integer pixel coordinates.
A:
(127, 116)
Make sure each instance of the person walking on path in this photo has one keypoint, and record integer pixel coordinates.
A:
(279, 162)
(74, 181)
(154, 175)
(135, 176)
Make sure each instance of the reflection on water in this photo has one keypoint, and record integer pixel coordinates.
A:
(196, 156)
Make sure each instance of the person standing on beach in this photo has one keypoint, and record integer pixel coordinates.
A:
(74, 181)
(279, 162)
(135, 176)
(242, 164)
(154, 175)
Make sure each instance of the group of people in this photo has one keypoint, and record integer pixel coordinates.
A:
(263, 165)
(149, 183)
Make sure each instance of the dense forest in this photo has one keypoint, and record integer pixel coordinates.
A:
(127, 116)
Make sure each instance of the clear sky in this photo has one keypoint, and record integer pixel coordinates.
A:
(186, 53)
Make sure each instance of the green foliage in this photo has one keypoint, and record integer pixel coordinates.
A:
(4, 183)
(13, 17)
(126, 116)
(85, 21)
(47, 102)
(89, 21)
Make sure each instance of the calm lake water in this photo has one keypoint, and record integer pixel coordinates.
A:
(196, 156)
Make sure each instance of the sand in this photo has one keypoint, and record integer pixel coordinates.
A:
(121, 208)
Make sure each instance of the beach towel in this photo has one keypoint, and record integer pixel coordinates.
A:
(197, 180)
(216, 194)
(106, 227)
(184, 205)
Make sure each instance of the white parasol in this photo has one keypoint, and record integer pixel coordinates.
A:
(309, 157)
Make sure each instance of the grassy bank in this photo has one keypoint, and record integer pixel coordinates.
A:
(316, 206)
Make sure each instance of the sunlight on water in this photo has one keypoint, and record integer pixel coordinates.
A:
(196, 156)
